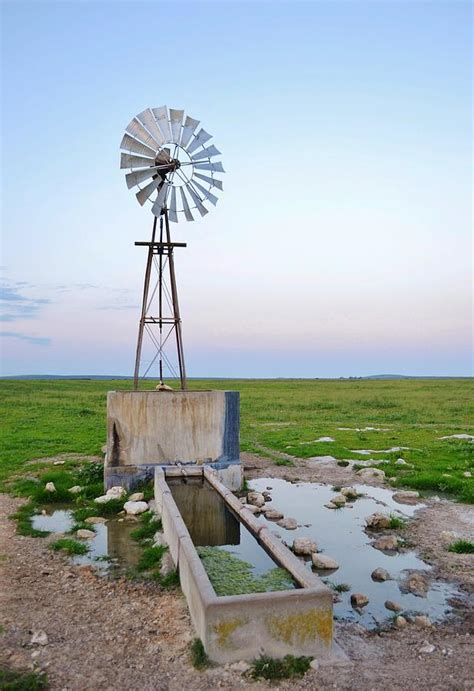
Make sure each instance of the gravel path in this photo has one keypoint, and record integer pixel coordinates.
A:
(121, 635)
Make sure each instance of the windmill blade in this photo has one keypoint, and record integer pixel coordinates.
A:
(145, 192)
(176, 117)
(189, 126)
(186, 209)
(197, 200)
(127, 161)
(140, 175)
(160, 201)
(147, 119)
(136, 129)
(206, 153)
(201, 138)
(215, 167)
(207, 194)
(161, 117)
(172, 210)
(212, 181)
(131, 144)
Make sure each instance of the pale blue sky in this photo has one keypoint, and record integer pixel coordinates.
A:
(342, 242)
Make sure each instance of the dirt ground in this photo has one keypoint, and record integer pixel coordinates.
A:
(117, 634)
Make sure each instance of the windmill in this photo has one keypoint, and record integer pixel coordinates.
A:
(171, 164)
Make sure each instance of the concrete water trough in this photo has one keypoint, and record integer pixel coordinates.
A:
(297, 621)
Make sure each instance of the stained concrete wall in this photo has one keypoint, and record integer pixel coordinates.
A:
(150, 428)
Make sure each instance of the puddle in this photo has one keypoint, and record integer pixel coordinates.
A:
(111, 551)
(339, 534)
(212, 524)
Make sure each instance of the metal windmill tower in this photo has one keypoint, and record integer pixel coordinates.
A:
(166, 156)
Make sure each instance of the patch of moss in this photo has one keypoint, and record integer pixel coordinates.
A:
(289, 666)
(70, 546)
(284, 461)
(151, 558)
(462, 547)
(230, 575)
(199, 657)
(15, 680)
(150, 524)
(396, 522)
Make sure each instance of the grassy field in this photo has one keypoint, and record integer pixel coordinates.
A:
(45, 418)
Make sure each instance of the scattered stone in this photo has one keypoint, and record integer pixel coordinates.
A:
(371, 474)
(422, 621)
(256, 498)
(349, 493)
(406, 497)
(304, 546)
(39, 638)
(393, 606)
(75, 490)
(416, 584)
(134, 508)
(380, 575)
(266, 495)
(136, 496)
(273, 514)
(288, 523)
(321, 561)
(84, 534)
(324, 439)
(448, 536)
(400, 461)
(59, 462)
(378, 521)
(49, 487)
(387, 543)
(103, 499)
(338, 500)
(167, 565)
(459, 436)
(159, 540)
(427, 648)
(400, 622)
(467, 473)
(241, 667)
(95, 519)
(314, 664)
(116, 492)
(330, 505)
(359, 600)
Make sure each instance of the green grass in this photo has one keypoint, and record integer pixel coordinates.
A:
(151, 558)
(396, 522)
(199, 658)
(23, 517)
(70, 546)
(462, 547)
(14, 680)
(149, 526)
(273, 669)
(46, 418)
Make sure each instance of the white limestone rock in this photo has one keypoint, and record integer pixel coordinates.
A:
(288, 523)
(256, 498)
(371, 474)
(49, 487)
(116, 492)
(273, 514)
(75, 490)
(338, 500)
(321, 561)
(304, 546)
(84, 534)
(377, 521)
(159, 539)
(133, 508)
(39, 638)
(387, 543)
(95, 519)
(136, 496)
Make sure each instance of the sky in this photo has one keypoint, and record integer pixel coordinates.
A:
(341, 245)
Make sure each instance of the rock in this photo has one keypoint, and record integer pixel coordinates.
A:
(103, 499)
(377, 521)
(95, 519)
(314, 664)
(116, 492)
(136, 496)
(427, 648)
(153, 506)
(448, 536)
(371, 474)
(59, 462)
(84, 534)
(393, 606)
(266, 495)
(359, 600)
(252, 508)
(256, 498)
(75, 490)
(406, 497)
(400, 461)
(167, 565)
(241, 667)
(324, 439)
(338, 500)
(49, 487)
(387, 543)
(321, 561)
(467, 474)
(380, 575)
(159, 539)
(400, 622)
(422, 621)
(288, 523)
(330, 505)
(134, 508)
(304, 546)
(416, 584)
(349, 493)
(273, 514)
(39, 638)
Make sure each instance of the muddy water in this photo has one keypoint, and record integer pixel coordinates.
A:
(340, 534)
(111, 551)
(211, 524)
